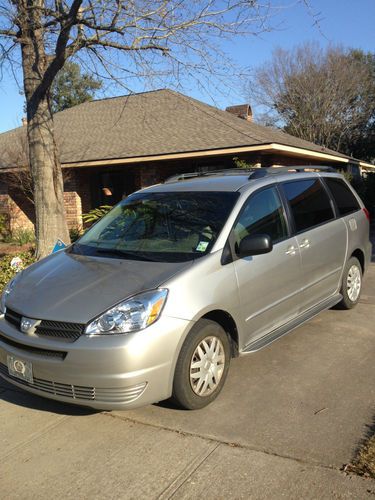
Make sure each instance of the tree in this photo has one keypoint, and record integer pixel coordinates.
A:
(324, 96)
(71, 87)
(362, 143)
(19, 180)
(165, 38)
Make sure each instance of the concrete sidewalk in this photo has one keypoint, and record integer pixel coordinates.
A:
(289, 418)
(45, 454)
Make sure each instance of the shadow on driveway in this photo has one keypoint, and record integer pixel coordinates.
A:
(14, 395)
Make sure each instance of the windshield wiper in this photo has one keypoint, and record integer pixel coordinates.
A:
(123, 253)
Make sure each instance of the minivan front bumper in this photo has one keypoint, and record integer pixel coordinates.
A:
(103, 372)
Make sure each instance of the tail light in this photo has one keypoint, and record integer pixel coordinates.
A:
(367, 213)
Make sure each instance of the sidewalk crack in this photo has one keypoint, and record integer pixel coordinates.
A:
(189, 470)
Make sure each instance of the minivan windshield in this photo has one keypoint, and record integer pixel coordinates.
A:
(164, 227)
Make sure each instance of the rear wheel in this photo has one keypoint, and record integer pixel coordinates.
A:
(351, 284)
(202, 365)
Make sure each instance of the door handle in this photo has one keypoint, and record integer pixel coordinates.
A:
(304, 243)
(291, 250)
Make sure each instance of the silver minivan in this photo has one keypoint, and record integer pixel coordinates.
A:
(156, 298)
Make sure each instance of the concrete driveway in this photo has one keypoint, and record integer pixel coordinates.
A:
(288, 419)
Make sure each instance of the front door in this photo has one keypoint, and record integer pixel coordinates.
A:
(269, 284)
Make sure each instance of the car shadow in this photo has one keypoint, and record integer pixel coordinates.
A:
(169, 404)
(18, 397)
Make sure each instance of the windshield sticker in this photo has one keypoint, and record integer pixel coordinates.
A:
(202, 246)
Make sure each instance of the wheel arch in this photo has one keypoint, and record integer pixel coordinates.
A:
(226, 321)
(359, 254)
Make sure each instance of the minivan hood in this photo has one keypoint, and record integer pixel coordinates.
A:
(77, 288)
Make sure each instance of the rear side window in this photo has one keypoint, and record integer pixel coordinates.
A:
(345, 200)
(309, 202)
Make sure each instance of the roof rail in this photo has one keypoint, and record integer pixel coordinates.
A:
(264, 172)
(255, 173)
(226, 171)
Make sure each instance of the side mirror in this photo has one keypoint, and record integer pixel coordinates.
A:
(256, 244)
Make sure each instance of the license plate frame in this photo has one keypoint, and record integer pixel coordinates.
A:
(21, 369)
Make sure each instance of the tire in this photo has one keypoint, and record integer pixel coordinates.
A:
(193, 387)
(351, 284)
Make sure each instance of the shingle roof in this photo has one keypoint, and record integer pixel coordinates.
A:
(151, 123)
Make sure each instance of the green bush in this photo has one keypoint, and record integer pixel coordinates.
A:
(7, 272)
(75, 233)
(244, 164)
(369, 192)
(365, 187)
(4, 227)
(95, 214)
(22, 236)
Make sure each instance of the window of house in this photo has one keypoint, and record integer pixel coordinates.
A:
(345, 200)
(309, 202)
(262, 214)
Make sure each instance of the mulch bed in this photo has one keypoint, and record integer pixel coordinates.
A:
(10, 249)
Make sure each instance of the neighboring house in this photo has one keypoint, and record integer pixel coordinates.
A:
(112, 147)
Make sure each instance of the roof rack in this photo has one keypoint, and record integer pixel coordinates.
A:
(226, 171)
(253, 173)
(258, 173)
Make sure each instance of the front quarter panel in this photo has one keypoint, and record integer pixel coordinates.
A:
(206, 286)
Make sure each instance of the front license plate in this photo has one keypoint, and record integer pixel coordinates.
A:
(20, 369)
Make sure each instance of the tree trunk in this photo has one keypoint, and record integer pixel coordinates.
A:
(50, 218)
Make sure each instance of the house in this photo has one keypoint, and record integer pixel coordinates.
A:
(111, 147)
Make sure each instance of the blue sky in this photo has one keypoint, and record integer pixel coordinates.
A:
(346, 22)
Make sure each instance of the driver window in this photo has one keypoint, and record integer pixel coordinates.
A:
(262, 214)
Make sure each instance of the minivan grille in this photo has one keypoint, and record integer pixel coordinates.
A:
(34, 350)
(46, 328)
(78, 392)
(13, 317)
(69, 331)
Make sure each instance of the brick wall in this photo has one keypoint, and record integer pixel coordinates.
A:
(153, 173)
(4, 198)
(4, 202)
(20, 211)
(72, 200)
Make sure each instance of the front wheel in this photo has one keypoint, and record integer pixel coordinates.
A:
(351, 284)
(202, 365)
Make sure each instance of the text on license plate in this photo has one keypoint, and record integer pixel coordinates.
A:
(20, 369)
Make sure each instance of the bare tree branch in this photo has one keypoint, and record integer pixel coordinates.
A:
(324, 96)
(164, 41)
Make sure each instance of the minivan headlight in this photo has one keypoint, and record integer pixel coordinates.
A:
(6, 291)
(131, 315)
